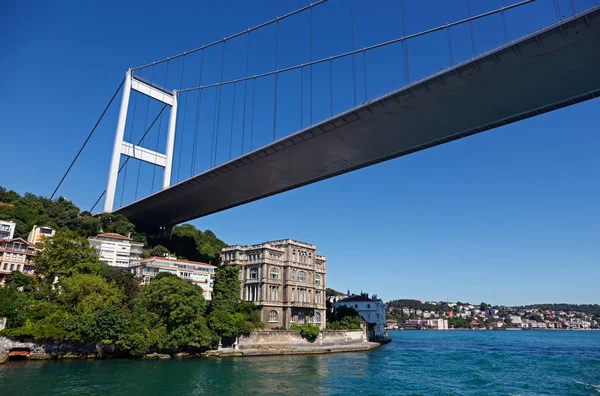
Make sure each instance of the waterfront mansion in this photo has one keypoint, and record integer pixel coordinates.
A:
(285, 279)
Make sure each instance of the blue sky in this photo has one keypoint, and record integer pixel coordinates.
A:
(509, 216)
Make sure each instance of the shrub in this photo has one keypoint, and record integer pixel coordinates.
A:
(307, 331)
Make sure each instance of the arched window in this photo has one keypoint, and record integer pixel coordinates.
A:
(274, 273)
(273, 316)
(253, 273)
(293, 275)
(302, 276)
(318, 317)
(317, 280)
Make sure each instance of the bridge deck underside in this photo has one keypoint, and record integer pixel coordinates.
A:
(553, 68)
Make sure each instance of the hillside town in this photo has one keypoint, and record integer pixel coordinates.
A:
(442, 315)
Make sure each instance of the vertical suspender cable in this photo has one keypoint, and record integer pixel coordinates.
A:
(301, 97)
(450, 54)
(159, 129)
(310, 58)
(557, 10)
(232, 118)
(252, 122)
(353, 46)
(404, 45)
(245, 92)
(215, 137)
(198, 110)
(504, 24)
(184, 117)
(471, 28)
(137, 183)
(364, 54)
(276, 80)
(572, 3)
(331, 87)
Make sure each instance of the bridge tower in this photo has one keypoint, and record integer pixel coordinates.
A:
(121, 147)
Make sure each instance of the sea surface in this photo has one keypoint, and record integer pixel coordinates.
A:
(466, 362)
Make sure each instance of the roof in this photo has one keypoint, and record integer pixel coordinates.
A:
(177, 261)
(357, 298)
(114, 236)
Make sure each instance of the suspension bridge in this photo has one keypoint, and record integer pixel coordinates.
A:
(548, 68)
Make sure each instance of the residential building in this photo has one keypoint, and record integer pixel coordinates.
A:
(438, 324)
(391, 324)
(16, 255)
(38, 234)
(7, 229)
(117, 250)
(284, 278)
(200, 274)
(516, 321)
(371, 309)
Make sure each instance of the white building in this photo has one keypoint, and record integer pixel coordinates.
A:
(117, 250)
(438, 324)
(371, 309)
(200, 274)
(7, 229)
(516, 321)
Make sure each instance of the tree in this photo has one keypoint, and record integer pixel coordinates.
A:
(86, 293)
(14, 306)
(174, 308)
(66, 253)
(332, 292)
(22, 282)
(484, 307)
(159, 251)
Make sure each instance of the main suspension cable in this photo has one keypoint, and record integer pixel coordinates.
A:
(88, 138)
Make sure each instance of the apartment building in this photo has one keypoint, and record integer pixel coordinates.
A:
(7, 229)
(284, 278)
(38, 233)
(200, 274)
(16, 255)
(117, 250)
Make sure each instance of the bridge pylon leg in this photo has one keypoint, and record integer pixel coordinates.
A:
(113, 170)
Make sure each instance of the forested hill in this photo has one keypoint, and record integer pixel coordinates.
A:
(414, 304)
(186, 241)
(590, 309)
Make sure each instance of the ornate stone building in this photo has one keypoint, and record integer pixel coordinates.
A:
(285, 279)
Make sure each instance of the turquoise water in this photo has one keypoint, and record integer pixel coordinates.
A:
(415, 363)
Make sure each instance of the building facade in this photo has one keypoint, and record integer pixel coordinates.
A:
(16, 255)
(200, 274)
(117, 250)
(371, 309)
(37, 235)
(7, 229)
(285, 279)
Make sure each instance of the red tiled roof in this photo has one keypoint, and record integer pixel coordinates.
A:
(113, 236)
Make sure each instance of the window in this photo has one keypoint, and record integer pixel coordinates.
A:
(301, 316)
(302, 276)
(356, 306)
(253, 273)
(318, 317)
(368, 305)
(5, 266)
(317, 297)
(317, 280)
(301, 295)
(273, 293)
(273, 316)
(274, 273)
(293, 275)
